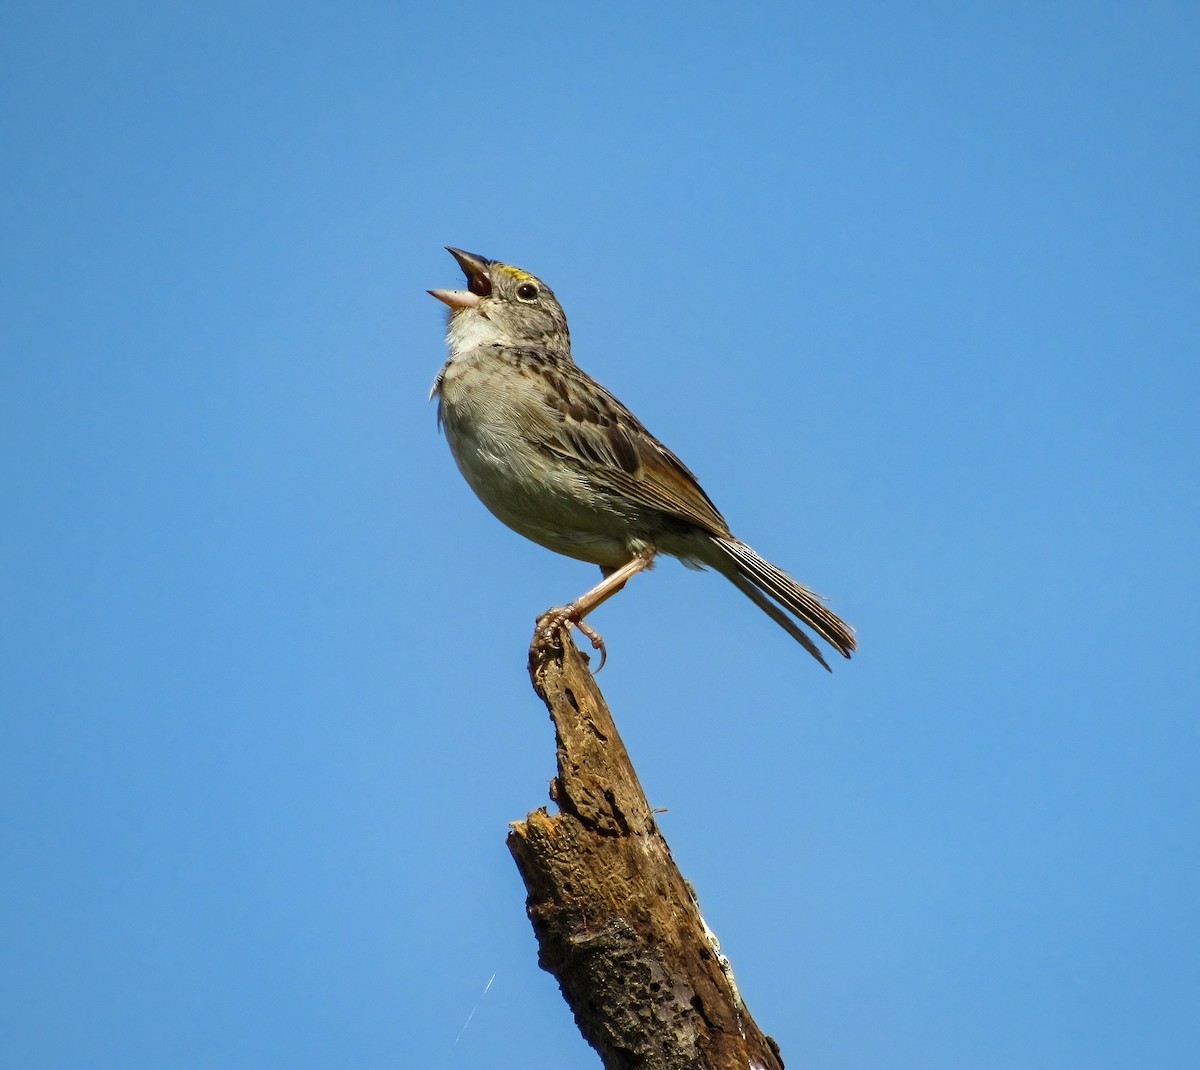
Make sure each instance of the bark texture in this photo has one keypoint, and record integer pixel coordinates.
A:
(616, 923)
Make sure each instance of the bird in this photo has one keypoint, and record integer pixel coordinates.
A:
(556, 457)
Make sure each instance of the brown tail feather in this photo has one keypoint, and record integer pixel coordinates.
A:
(755, 577)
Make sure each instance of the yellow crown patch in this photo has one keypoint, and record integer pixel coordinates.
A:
(514, 272)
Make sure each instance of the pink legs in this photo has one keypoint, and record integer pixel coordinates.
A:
(574, 612)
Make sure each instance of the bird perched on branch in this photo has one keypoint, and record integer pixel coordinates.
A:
(557, 458)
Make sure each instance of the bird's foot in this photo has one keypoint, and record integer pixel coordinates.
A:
(554, 619)
(594, 638)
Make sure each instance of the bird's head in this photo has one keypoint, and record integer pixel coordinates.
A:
(502, 305)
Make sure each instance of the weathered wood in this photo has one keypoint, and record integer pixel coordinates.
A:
(616, 923)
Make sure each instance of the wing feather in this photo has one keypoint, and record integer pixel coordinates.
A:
(612, 449)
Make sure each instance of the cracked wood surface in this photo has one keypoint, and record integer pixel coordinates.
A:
(615, 922)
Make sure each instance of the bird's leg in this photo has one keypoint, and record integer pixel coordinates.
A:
(574, 612)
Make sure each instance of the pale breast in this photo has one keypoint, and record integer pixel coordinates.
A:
(496, 419)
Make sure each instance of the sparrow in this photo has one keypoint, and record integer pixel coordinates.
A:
(560, 460)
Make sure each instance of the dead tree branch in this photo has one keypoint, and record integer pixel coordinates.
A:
(616, 923)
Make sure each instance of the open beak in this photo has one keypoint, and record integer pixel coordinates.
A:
(480, 286)
(456, 299)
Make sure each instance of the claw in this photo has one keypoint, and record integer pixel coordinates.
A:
(553, 619)
(594, 636)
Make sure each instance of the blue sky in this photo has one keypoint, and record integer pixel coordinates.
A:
(912, 288)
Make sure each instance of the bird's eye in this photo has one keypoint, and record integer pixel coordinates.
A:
(480, 285)
(527, 291)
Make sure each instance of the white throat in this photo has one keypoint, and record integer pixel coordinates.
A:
(469, 328)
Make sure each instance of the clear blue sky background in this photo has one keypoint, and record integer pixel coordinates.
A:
(912, 287)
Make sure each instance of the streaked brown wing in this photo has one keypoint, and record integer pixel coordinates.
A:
(612, 449)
